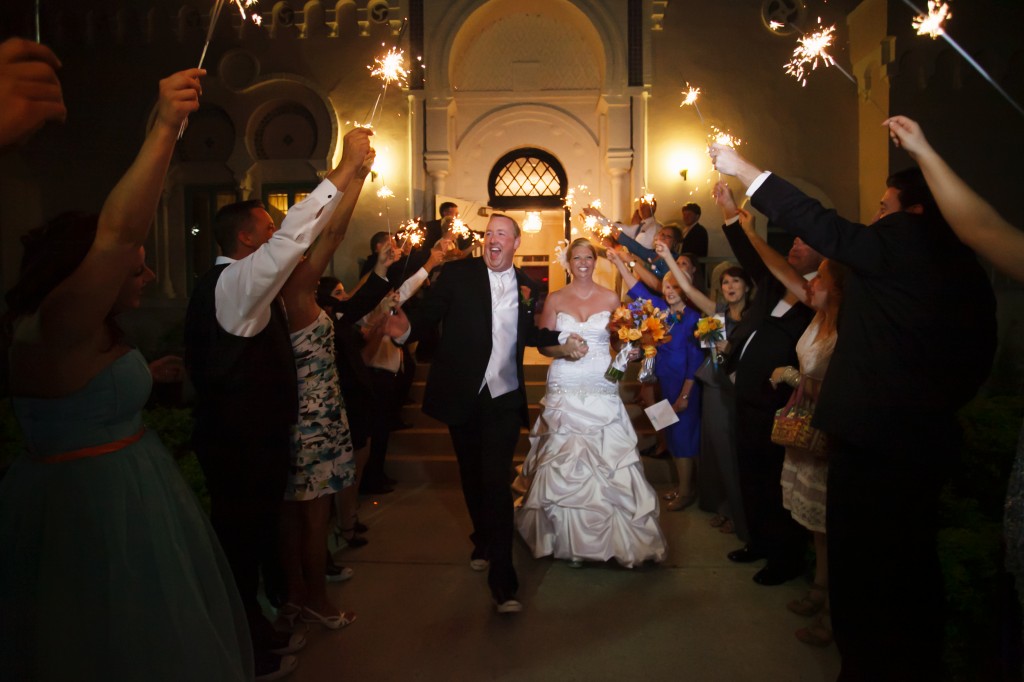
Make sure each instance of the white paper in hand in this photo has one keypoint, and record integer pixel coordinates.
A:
(661, 415)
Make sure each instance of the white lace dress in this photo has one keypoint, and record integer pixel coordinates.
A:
(588, 498)
(804, 475)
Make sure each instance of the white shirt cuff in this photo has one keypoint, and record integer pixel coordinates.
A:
(756, 184)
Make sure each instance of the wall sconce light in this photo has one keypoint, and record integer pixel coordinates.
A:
(682, 173)
(533, 223)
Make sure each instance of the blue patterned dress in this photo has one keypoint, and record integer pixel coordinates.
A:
(322, 461)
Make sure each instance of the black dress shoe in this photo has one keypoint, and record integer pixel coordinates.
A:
(770, 575)
(744, 556)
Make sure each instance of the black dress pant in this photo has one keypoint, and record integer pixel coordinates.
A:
(383, 388)
(773, 532)
(885, 583)
(484, 446)
(246, 481)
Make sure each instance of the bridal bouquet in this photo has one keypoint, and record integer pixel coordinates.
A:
(709, 331)
(638, 324)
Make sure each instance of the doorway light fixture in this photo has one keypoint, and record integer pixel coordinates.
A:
(533, 223)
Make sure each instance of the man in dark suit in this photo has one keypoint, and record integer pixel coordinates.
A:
(916, 340)
(476, 386)
(764, 339)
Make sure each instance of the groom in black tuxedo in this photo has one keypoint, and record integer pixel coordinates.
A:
(476, 386)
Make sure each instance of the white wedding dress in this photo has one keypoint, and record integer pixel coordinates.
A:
(587, 498)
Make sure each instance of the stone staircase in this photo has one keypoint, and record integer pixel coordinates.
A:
(425, 449)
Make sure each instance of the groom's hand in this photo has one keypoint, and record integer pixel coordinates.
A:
(575, 347)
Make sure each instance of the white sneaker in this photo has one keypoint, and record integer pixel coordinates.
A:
(479, 564)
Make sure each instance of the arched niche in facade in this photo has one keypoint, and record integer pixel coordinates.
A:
(576, 43)
(527, 178)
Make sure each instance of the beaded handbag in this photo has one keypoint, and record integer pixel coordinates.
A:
(792, 427)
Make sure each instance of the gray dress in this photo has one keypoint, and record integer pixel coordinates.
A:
(718, 479)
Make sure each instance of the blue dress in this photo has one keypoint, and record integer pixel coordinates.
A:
(110, 570)
(677, 361)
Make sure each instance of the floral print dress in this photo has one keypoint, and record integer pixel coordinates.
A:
(321, 459)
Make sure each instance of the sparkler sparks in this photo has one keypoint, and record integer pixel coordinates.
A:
(810, 50)
(690, 96)
(963, 53)
(412, 233)
(775, 25)
(461, 230)
(934, 23)
(390, 68)
(724, 137)
(385, 193)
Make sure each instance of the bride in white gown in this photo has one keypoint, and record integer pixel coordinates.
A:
(588, 498)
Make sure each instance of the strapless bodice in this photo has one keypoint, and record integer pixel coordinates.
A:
(585, 375)
(106, 409)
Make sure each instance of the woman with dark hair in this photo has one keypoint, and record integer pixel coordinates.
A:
(147, 593)
(718, 476)
(805, 474)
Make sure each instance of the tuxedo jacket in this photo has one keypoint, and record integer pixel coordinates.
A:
(461, 301)
(696, 241)
(917, 329)
(774, 344)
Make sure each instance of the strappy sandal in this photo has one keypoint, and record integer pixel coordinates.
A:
(717, 521)
(335, 622)
(810, 603)
(289, 613)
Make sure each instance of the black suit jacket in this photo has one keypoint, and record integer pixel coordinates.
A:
(917, 327)
(696, 241)
(461, 301)
(775, 342)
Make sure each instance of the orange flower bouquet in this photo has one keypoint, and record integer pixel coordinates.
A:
(638, 324)
(710, 330)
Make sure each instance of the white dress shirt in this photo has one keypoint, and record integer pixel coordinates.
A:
(388, 356)
(248, 286)
(644, 232)
(501, 376)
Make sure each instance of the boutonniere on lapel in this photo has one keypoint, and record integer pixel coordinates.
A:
(525, 299)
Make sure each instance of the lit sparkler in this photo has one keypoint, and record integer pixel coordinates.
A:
(390, 68)
(690, 99)
(724, 137)
(810, 50)
(934, 23)
(775, 25)
(218, 5)
(412, 233)
(690, 96)
(963, 53)
(385, 193)
(461, 231)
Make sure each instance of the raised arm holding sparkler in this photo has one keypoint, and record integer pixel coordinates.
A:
(973, 219)
(29, 90)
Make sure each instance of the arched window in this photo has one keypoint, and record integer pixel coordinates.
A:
(527, 178)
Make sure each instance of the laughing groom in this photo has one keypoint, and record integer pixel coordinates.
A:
(476, 386)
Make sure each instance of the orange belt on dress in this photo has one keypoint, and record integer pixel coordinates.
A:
(95, 450)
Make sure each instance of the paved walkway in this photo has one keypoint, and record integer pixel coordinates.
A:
(424, 615)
